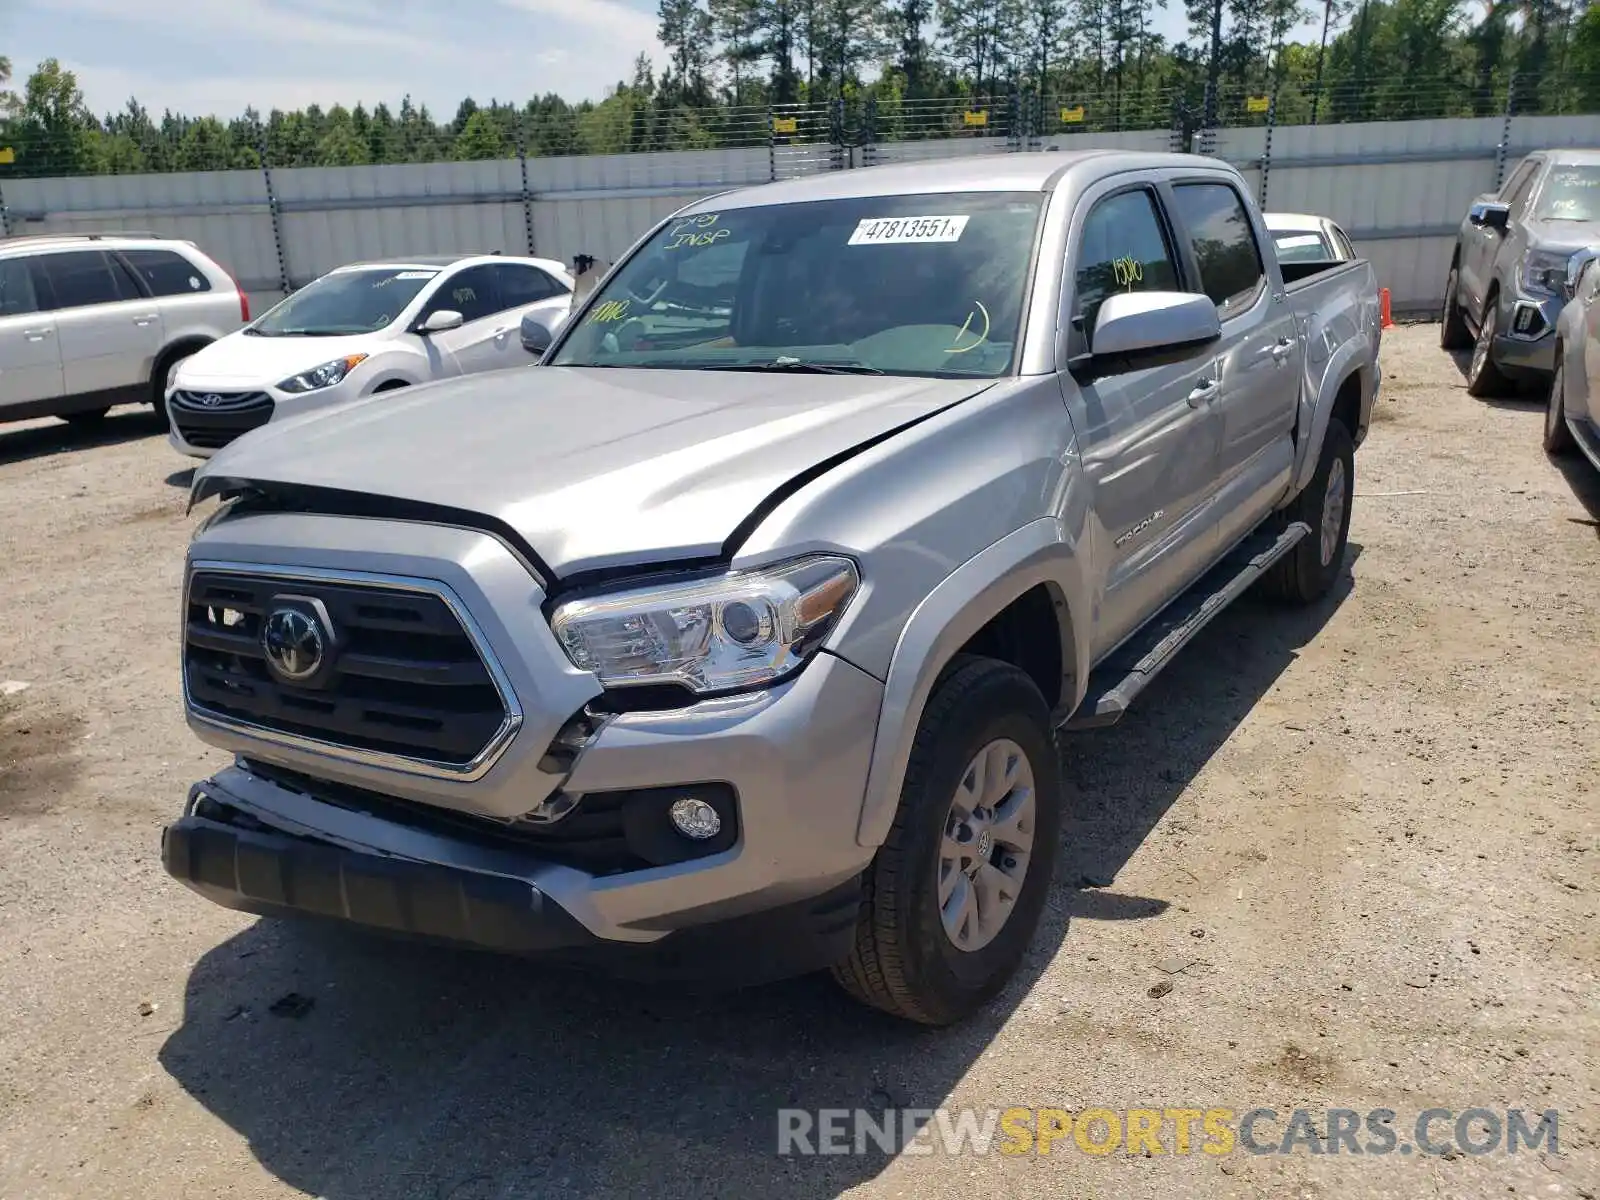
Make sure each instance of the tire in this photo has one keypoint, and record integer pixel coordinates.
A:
(1483, 377)
(87, 418)
(1557, 437)
(1306, 573)
(161, 377)
(904, 961)
(1453, 331)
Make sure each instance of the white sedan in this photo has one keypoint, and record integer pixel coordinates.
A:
(1304, 237)
(364, 328)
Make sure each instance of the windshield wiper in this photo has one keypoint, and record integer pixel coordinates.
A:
(798, 367)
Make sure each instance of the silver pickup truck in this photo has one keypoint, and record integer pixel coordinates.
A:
(733, 640)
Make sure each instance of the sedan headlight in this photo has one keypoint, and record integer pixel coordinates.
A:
(738, 630)
(1545, 271)
(325, 376)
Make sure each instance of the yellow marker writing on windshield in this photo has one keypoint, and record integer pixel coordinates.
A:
(1127, 271)
(611, 310)
(955, 347)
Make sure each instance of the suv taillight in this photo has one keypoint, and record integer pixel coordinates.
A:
(244, 301)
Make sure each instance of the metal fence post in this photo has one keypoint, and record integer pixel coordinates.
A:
(5, 216)
(1266, 149)
(869, 133)
(836, 132)
(772, 145)
(527, 195)
(277, 218)
(1178, 142)
(1014, 130)
(1504, 147)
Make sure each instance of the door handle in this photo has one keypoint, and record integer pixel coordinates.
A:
(147, 319)
(36, 335)
(1204, 393)
(1280, 350)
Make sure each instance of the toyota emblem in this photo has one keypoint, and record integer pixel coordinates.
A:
(294, 643)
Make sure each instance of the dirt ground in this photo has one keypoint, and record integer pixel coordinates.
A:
(1372, 827)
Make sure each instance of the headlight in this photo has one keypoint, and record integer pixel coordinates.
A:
(1545, 271)
(735, 631)
(325, 376)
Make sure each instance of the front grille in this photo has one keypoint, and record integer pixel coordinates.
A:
(210, 420)
(401, 676)
(589, 838)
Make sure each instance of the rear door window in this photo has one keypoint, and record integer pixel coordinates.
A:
(1225, 249)
(166, 273)
(519, 285)
(472, 293)
(17, 297)
(81, 278)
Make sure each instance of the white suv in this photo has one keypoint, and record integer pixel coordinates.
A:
(364, 328)
(92, 320)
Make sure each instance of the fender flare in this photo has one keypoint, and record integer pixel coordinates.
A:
(1347, 361)
(946, 620)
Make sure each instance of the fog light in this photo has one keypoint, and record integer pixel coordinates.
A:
(695, 819)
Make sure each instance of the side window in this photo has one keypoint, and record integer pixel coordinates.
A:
(1517, 178)
(1225, 249)
(521, 285)
(1124, 249)
(165, 273)
(83, 277)
(1519, 197)
(17, 296)
(1341, 244)
(471, 293)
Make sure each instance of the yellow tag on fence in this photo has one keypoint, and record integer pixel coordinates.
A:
(785, 125)
(976, 118)
(7, 155)
(1257, 104)
(1072, 116)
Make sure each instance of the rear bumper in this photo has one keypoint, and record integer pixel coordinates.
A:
(270, 872)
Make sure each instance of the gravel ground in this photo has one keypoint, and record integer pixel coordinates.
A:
(1371, 827)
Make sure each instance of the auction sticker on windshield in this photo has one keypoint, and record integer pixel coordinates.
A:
(888, 231)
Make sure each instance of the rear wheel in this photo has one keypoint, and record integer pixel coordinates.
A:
(1483, 376)
(163, 377)
(955, 893)
(1453, 331)
(1557, 437)
(1306, 573)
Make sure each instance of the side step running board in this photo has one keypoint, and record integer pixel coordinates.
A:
(1116, 682)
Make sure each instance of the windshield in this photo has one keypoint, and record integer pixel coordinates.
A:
(1303, 247)
(905, 285)
(1572, 194)
(344, 302)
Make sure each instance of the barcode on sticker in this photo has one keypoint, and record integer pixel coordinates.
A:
(883, 231)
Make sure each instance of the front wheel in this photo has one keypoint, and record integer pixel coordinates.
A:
(955, 893)
(1484, 378)
(1557, 437)
(1306, 573)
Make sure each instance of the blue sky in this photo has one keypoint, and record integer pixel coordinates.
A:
(217, 56)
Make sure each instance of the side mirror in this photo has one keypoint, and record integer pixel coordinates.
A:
(1490, 214)
(1134, 321)
(1576, 266)
(442, 321)
(536, 335)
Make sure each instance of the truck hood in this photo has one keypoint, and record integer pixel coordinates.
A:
(1562, 237)
(590, 467)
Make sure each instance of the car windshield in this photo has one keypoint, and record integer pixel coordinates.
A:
(1303, 247)
(345, 302)
(1572, 194)
(904, 285)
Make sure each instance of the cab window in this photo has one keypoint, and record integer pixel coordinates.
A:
(1124, 249)
(1218, 224)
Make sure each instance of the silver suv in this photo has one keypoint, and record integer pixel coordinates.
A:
(92, 320)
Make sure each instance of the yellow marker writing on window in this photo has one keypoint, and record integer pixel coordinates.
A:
(956, 347)
(1127, 271)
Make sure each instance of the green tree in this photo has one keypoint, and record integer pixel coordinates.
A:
(686, 31)
(53, 125)
(481, 138)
